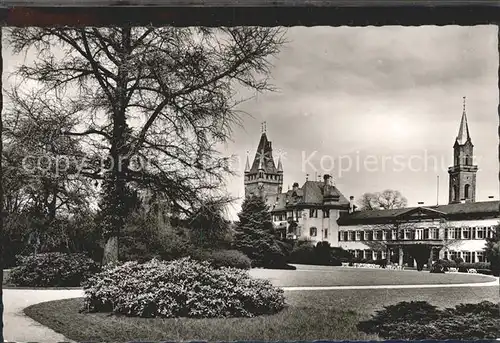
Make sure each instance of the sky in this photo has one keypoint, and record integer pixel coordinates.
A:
(376, 107)
(370, 105)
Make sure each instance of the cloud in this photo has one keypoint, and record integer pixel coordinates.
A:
(377, 88)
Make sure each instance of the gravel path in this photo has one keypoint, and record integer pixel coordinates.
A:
(20, 328)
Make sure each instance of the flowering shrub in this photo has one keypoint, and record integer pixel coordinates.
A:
(419, 320)
(180, 288)
(53, 270)
(225, 258)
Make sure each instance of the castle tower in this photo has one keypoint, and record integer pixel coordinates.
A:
(263, 178)
(463, 172)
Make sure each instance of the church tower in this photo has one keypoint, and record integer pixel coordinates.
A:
(263, 177)
(463, 172)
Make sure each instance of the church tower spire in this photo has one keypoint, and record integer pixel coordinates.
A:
(463, 172)
(463, 131)
(263, 177)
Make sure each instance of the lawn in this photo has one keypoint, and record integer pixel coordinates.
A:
(311, 315)
(294, 323)
(345, 276)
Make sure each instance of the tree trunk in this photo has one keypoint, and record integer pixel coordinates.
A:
(110, 254)
(1, 191)
(117, 201)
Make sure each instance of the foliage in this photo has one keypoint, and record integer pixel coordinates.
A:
(164, 95)
(146, 237)
(208, 227)
(224, 258)
(23, 236)
(53, 270)
(386, 200)
(418, 320)
(180, 288)
(492, 251)
(255, 235)
(437, 268)
(305, 252)
(421, 254)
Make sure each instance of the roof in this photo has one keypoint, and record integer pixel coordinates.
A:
(311, 193)
(463, 131)
(450, 211)
(264, 157)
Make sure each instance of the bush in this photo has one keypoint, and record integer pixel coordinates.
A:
(485, 308)
(437, 268)
(485, 271)
(224, 258)
(53, 270)
(420, 320)
(305, 252)
(381, 262)
(180, 288)
(477, 265)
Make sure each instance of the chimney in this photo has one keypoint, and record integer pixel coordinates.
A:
(351, 204)
(295, 186)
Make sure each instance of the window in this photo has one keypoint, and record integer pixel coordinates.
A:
(446, 254)
(435, 233)
(480, 256)
(394, 235)
(407, 234)
(358, 236)
(326, 213)
(419, 234)
(467, 256)
(427, 234)
(313, 232)
(369, 235)
(481, 233)
(466, 191)
(351, 235)
(378, 235)
(455, 192)
(458, 233)
(466, 233)
(326, 233)
(491, 231)
(341, 236)
(313, 213)
(451, 233)
(384, 235)
(346, 235)
(453, 255)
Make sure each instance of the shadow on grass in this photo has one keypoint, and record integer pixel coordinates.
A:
(293, 323)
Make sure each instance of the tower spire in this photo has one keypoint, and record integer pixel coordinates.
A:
(463, 131)
(280, 165)
(247, 164)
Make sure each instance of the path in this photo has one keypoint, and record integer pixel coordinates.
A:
(19, 327)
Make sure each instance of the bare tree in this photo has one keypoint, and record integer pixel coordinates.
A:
(164, 95)
(386, 200)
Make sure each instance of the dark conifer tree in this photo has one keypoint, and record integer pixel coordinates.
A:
(255, 235)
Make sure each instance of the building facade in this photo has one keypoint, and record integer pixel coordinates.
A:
(318, 211)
